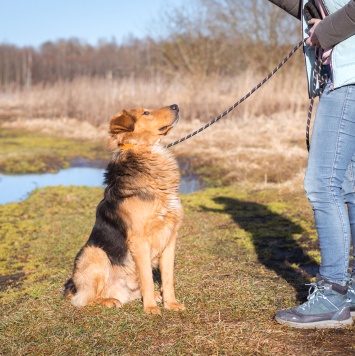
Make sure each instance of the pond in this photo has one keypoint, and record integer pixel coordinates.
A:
(14, 188)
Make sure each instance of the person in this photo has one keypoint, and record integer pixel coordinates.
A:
(330, 175)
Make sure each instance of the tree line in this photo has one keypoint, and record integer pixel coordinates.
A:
(223, 37)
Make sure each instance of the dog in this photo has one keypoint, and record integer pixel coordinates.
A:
(137, 221)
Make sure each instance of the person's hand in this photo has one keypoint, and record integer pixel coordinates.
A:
(312, 40)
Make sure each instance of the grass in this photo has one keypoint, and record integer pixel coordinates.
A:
(95, 100)
(27, 152)
(262, 150)
(246, 247)
(223, 276)
(261, 141)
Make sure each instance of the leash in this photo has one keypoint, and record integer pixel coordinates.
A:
(289, 55)
(317, 77)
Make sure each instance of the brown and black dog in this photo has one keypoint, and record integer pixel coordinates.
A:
(136, 222)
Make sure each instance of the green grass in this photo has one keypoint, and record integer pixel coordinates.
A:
(242, 255)
(28, 152)
(223, 275)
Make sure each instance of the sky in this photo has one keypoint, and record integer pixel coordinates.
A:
(33, 22)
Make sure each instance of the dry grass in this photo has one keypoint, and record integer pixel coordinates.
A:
(261, 141)
(95, 100)
(265, 149)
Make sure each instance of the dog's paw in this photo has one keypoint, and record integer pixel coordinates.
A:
(157, 296)
(174, 306)
(110, 302)
(152, 310)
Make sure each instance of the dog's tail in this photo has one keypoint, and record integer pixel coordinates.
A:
(69, 288)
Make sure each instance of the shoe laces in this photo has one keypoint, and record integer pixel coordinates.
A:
(315, 292)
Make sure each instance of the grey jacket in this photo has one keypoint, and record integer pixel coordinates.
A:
(336, 31)
(333, 29)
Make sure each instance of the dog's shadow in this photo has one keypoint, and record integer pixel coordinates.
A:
(274, 243)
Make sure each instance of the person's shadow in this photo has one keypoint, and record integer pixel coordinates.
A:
(272, 236)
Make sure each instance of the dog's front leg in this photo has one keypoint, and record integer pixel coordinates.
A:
(141, 256)
(166, 266)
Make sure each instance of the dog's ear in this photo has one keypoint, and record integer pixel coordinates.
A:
(123, 122)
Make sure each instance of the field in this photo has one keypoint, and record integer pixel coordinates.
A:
(254, 143)
(246, 248)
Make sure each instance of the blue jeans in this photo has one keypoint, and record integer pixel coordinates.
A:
(330, 180)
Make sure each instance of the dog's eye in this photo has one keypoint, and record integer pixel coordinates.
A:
(146, 113)
(163, 128)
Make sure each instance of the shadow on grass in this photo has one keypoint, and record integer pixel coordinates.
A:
(275, 245)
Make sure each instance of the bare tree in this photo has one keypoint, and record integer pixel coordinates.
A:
(204, 37)
(226, 36)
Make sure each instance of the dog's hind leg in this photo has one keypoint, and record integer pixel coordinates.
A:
(90, 277)
(166, 265)
(109, 302)
(86, 293)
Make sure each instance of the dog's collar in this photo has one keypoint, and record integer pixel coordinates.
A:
(126, 146)
(130, 146)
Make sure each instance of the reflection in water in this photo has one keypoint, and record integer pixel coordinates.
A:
(18, 187)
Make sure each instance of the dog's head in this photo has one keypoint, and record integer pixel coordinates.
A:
(142, 126)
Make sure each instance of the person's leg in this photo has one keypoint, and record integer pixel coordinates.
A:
(332, 148)
(349, 197)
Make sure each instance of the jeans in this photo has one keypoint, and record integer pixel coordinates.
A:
(330, 180)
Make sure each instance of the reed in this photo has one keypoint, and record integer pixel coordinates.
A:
(95, 100)
(261, 141)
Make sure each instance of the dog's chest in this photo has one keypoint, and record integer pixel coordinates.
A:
(168, 209)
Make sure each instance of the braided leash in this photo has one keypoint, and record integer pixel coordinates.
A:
(290, 54)
(321, 80)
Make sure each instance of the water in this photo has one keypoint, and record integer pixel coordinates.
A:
(14, 188)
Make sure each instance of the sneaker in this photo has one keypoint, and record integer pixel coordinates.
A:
(327, 307)
(351, 295)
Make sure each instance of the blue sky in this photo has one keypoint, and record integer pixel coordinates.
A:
(32, 22)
